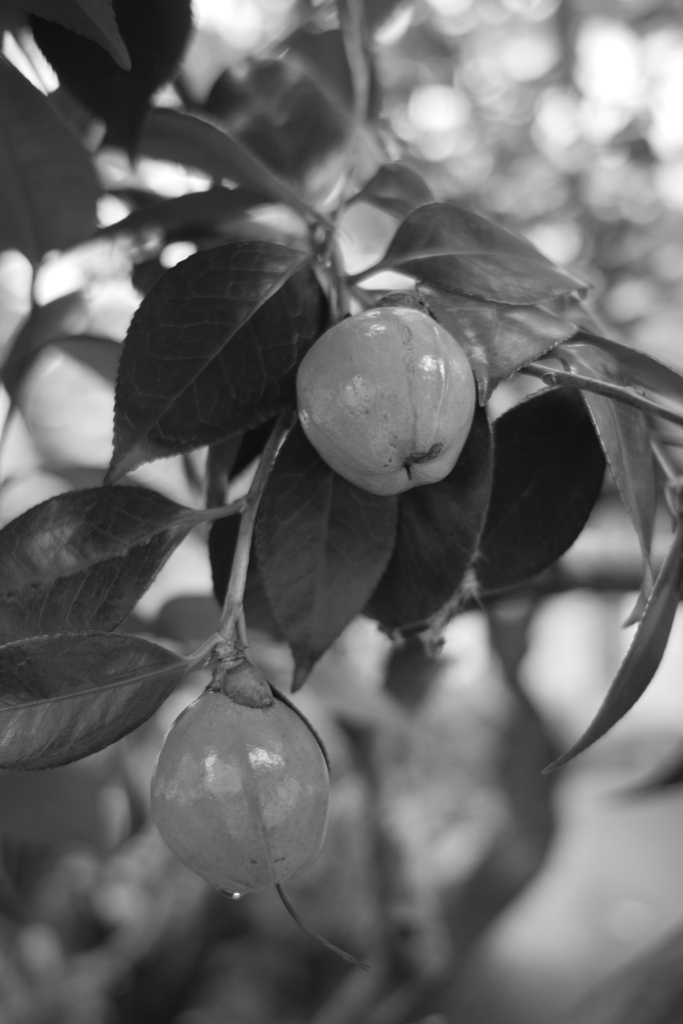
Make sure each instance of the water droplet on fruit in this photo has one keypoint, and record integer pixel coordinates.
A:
(229, 894)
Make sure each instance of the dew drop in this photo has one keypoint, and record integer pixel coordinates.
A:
(229, 894)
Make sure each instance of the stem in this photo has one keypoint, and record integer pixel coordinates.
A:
(626, 395)
(355, 37)
(315, 935)
(339, 295)
(232, 607)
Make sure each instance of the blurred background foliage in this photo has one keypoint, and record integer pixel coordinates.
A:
(562, 119)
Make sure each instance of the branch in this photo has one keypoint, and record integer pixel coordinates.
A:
(626, 395)
(232, 607)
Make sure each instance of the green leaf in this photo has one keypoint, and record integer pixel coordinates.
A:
(498, 339)
(82, 560)
(459, 251)
(625, 437)
(548, 472)
(48, 184)
(198, 142)
(213, 350)
(211, 209)
(439, 526)
(93, 19)
(643, 656)
(70, 694)
(155, 34)
(396, 189)
(322, 545)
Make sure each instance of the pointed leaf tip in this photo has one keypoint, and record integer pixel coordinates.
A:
(643, 656)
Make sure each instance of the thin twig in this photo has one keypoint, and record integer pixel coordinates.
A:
(355, 36)
(339, 295)
(626, 395)
(232, 607)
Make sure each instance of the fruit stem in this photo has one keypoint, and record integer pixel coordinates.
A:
(232, 606)
(319, 938)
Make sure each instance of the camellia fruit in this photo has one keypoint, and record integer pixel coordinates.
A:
(387, 399)
(239, 792)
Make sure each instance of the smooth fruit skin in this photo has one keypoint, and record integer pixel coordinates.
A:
(240, 794)
(387, 399)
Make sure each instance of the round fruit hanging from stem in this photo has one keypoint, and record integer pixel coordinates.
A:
(387, 399)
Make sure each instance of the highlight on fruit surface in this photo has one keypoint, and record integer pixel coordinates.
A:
(240, 793)
(387, 399)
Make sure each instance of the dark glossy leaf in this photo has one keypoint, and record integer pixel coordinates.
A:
(210, 209)
(257, 611)
(91, 18)
(100, 354)
(281, 115)
(649, 990)
(198, 142)
(625, 437)
(82, 560)
(439, 526)
(48, 185)
(458, 251)
(322, 544)
(548, 471)
(498, 339)
(396, 189)
(70, 694)
(155, 34)
(45, 324)
(643, 656)
(213, 350)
